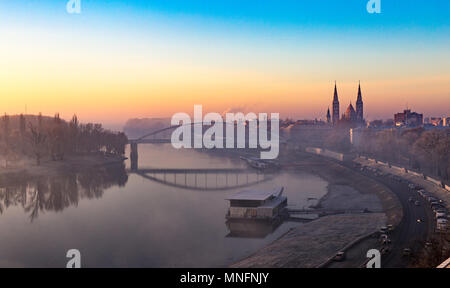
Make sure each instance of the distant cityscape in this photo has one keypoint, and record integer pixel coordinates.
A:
(354, 118)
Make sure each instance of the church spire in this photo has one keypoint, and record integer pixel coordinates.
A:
(335, 98)
(328, 115)
(359, 93)
(335, 105)
(359, 106)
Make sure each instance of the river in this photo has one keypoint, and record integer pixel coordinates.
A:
(120, 219)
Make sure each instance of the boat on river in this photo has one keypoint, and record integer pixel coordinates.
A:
(267, 205)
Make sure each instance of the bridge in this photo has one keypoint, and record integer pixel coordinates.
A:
(134, 156)
(204, 179)
(152, 138)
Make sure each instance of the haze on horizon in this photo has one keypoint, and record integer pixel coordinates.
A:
(117, 61)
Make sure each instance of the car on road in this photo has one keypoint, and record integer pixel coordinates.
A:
(417, 203)
(385, 250)
(384, 230)
(411, 199)
(340, 256)
(384, 239)
(407, 252)
(421, 192)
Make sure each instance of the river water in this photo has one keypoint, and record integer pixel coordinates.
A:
(116, 218)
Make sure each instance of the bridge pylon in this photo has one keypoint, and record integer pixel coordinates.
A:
(134, 156)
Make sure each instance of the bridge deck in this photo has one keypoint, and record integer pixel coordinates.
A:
(198, 170)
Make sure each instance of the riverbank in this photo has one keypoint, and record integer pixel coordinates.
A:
(313, 243)
(336, 174)
(27, 168)
(346, 198)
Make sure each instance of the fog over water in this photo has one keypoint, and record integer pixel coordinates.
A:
(117, 218)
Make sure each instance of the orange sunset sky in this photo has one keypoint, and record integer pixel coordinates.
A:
(109, 64)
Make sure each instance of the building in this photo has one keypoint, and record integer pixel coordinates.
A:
(328, 116)
(408, 118)
(355, 117)
(359, 106)
(350, 114)
(257, 204)
(335, 106)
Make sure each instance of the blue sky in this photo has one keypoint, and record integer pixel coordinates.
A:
(256, 50)
(426, 14)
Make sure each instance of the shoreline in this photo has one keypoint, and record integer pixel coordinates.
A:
(338, 175)
(27, 168)
(313, 243)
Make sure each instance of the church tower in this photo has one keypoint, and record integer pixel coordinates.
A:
(328, 116)
(359, 106)
(335, 106)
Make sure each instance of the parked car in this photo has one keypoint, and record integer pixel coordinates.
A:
(439, 208)
(423, 193)
(442, 221)
(417, 203)
(441, 215)
(431, 199)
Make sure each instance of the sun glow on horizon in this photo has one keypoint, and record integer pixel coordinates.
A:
(109, 72)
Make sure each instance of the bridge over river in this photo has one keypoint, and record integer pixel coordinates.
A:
(160, 137)
(204, 179)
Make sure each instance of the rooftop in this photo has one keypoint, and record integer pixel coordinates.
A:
(258, 195)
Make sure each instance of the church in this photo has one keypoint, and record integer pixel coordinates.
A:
(351, 116)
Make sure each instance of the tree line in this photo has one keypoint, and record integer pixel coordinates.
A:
(424, 150)
(40, 137)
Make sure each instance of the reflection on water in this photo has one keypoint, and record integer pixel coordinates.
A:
(55, 193)
(117, 219)
(251, 228)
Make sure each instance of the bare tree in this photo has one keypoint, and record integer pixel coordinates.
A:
(38, 140)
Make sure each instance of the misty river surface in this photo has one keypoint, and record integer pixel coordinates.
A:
(116, 218)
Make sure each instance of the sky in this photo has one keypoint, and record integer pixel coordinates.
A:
(132, 59)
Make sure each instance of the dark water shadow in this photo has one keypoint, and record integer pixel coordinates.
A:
(56, 193)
